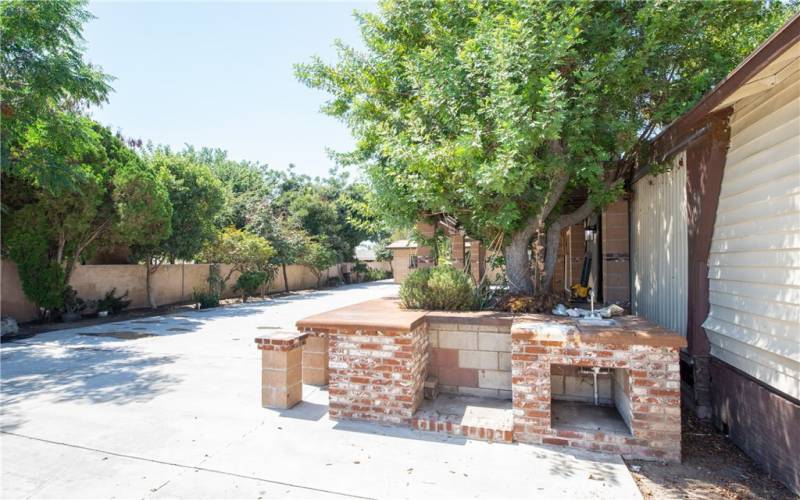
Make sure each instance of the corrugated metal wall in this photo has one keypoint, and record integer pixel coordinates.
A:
(754, 265)
(660, 247)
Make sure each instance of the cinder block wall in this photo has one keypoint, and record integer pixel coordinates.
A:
(471, 359)
(172, 283)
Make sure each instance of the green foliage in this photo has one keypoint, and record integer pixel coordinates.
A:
(245, 184)
(376, 275)
(318, 257)
(205, 299)
(248, 283)
(25, 242)
(483, 110)
(43, 80)
(383, 254)
(113, 303)
(440, 288)
(71, 303)
(196, 197)
(243, 250)
(118, 200)
(359, 268)
(286, 237)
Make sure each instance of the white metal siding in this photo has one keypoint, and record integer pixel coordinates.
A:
(754, 265)
(660, 247)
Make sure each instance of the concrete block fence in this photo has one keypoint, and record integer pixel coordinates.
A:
(172, 283)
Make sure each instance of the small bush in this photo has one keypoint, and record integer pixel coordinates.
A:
(442, 288)
(113, 303)
(249, 283)
(205, 298)
(376, 275)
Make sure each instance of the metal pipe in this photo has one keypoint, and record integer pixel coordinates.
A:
(595, 371)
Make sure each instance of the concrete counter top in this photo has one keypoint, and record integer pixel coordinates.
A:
(373, 315)
(630, 330)
(387, 314)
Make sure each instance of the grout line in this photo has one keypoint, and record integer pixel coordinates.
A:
(204, 469)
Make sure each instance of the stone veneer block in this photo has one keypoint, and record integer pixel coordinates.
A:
(449, 339)
(315, 360)
(494, 379)
(281, 368)
(498, 342)
(485, 360)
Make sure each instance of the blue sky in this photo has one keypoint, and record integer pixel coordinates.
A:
(220, 75)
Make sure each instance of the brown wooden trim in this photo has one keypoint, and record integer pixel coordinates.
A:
(705, 164)
(770, 50)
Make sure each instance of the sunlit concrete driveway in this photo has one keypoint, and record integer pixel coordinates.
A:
(106, 412)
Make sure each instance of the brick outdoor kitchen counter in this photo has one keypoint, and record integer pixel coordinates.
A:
(612, 388)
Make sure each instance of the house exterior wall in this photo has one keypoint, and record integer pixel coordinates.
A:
(760, 422)
(401, 263)
(659, 236)
(754, 264)
(615, 253)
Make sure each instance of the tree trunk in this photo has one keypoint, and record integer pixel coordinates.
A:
(553, 236)
(518, 264)
(149, 282)
(285, 279)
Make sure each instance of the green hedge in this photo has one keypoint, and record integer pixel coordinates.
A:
(442, 288)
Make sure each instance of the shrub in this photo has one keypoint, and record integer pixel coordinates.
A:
(376, 275)
(439, 288)
(205, 298)
(249, 282)
(113, 303)
(360, 270)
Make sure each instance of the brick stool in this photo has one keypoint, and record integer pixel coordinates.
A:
(281, 368)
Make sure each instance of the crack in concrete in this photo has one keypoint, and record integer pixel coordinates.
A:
(182, 466)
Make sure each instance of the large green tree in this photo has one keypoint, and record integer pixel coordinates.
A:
(118, 199)
(246, 184)
(243, 250)
(502, 113)
(44, 82)
(196, 198)
(286, 237)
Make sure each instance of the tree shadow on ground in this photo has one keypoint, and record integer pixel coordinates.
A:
(712, 467)
(79, 373)
(581, 465)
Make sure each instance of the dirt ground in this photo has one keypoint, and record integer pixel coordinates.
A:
(713, 467)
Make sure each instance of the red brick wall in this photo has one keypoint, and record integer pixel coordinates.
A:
(377, 375)
(654, 385)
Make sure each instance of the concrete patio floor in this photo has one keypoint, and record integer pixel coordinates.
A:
(176, 414)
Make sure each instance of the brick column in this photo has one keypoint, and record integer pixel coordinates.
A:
(315, 359)
(477, 256)
(457, 243)
(377, 375)
(281, 368)
(425, 253)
